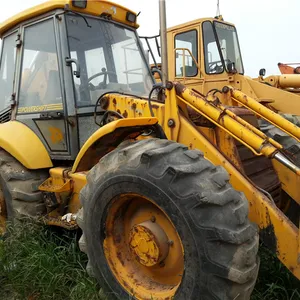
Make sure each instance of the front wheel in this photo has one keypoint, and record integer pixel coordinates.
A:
(161, 222)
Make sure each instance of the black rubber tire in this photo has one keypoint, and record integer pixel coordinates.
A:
(20, 188)
(220, 244)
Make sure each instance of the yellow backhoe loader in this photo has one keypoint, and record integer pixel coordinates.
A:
(169, 186)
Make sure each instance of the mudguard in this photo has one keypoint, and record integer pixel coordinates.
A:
(107, 138)
(24, 145)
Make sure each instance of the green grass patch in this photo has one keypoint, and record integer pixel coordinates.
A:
(42, 263)
(275, 281)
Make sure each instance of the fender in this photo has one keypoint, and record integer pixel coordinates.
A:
(107, 138)
(24, 145)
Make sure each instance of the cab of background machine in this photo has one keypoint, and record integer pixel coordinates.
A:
(58, 58)
(204, 50)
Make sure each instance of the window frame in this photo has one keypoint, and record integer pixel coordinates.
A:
(10, 33)
(197, 51)
(218, 46)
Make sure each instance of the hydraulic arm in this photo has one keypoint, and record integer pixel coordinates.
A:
(238, 128)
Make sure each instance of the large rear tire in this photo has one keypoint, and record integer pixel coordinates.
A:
(212, 246)
(19, 193)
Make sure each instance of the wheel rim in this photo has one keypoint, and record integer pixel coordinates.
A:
(3, 214)
(143, 248)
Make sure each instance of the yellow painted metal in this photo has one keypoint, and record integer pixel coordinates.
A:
(289, 80)
(244, 133)
(272, 117)
(57, 182)
(281, 100)
(108, 129)
(79, 181)
(145, 280)
(23, 144)
(95, 8)
(171, 125)
(46, 107)
(146, 245)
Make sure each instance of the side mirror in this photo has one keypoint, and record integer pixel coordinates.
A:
(262, 72)
(69, 62)
(231, 68)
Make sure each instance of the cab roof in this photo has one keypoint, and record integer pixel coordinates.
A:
(96, 8)
(197, 21)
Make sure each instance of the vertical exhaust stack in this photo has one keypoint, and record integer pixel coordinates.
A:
(163, 40)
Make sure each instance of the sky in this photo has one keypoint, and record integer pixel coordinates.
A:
(268, 29)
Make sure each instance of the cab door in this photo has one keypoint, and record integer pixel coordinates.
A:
(40, 96)
(186, 55)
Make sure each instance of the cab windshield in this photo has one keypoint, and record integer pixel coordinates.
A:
(221, 47)
(109, 57)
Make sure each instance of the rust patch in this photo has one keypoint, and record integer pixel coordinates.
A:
(104, 102)
(117, 238)
(119, 255)
(125, 114)
(268, 236)
(114, 101)
(133, 106)
(179, 88)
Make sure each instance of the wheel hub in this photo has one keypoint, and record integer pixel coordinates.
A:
(149, 243)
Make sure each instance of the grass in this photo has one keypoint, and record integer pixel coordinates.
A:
(275, 282)
(40, 263)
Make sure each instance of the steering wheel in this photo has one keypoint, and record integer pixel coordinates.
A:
(213, 66)
(103, 84)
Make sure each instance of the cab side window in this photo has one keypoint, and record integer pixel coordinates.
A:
(7, 70)
(186, 54)
(40, 81)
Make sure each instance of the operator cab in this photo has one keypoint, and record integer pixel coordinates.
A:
(58, 58)
(203, 49)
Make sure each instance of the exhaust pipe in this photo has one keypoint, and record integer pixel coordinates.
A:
(163, 41)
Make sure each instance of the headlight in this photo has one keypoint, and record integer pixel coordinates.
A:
(130, 17)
